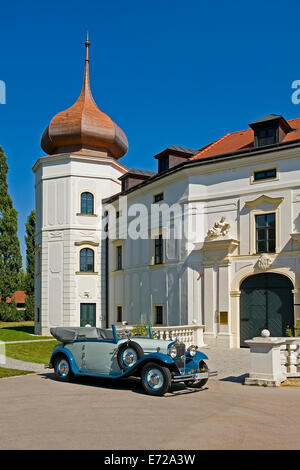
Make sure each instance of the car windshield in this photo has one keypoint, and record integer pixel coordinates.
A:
(141, 330)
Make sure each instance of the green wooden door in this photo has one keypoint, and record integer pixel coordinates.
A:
(87, 314)
(266, 302)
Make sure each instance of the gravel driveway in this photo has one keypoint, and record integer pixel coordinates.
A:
(231, 364)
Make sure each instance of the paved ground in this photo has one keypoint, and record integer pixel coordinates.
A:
(22, 365)
(231, 364)
(41, 413)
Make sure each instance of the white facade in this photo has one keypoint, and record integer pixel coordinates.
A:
(199, 282)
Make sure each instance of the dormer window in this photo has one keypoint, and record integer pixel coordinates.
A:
(134, 177)
(266, 136)
(163, 164)
(269, 130)
(125, 184)
(173, 156)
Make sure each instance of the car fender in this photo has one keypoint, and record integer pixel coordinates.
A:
(160, 358)
(199, 356)
(69, 355)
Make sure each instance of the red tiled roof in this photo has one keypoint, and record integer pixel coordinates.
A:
(241, 140)
(19, 297)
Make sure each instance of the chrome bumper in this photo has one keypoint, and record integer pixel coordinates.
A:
(187, 377)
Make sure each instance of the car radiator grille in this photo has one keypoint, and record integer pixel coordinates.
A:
(180, 352)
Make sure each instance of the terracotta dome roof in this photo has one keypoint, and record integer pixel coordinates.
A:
(83, 127)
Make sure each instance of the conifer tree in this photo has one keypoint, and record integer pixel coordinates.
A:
(10, 254)
(30, 245)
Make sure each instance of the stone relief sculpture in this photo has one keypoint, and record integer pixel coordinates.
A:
(264, 262)
(220, 229)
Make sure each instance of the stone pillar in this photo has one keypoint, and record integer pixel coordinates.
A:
(224, 338)
(265, 362)
(209, 305)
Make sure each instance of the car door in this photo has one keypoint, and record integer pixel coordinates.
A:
(99, 357)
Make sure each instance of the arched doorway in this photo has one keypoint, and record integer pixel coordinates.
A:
(266, 302)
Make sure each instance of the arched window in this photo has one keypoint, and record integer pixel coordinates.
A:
(86, 260)
(87, 203)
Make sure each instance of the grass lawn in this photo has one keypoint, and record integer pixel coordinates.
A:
(4, 372)
(18, 331)
(38, 352)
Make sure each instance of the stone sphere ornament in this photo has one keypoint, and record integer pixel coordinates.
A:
(265, 333)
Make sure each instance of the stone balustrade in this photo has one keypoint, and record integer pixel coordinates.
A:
(290, 357)
(187, 334)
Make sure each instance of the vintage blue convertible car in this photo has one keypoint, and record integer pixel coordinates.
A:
(113, 353)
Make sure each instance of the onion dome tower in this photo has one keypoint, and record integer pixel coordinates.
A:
(84, 128)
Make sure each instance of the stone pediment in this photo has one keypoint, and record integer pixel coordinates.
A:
(274, 201)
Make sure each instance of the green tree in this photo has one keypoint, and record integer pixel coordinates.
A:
(10, 254)
(30, 245)
(22, 280)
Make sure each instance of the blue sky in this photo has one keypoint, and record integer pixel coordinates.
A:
(168, 72)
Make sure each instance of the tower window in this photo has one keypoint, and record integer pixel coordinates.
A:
(86, 260)
(265, 233)
(87, 203)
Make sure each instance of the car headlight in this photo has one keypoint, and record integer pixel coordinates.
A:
(192, 350)
(173, 352)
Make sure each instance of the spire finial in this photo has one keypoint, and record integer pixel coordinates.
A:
(87, 45)
(86, 81)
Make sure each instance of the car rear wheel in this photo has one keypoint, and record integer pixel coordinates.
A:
(156, 379)
(128, 354)
(62, 369)
(203, 368)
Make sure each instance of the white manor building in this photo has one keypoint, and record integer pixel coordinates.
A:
(234, 270)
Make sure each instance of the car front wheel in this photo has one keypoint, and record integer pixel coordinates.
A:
(156, 379)
(62, 369)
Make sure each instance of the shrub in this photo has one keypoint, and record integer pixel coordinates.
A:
(141, 329)
(8, 312)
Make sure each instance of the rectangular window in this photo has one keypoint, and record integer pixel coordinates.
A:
(163, 164)
(119, 314)
(265, 233)
(119, 258)
(158, 315)
(38, 315)
(158, 250)
(158, 197)
(125, 184)
(265, 174)
(266, 136)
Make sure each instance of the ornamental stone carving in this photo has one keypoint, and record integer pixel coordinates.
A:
(220, 229)
(264, 262)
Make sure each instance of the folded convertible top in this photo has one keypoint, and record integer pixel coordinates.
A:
(70, 334)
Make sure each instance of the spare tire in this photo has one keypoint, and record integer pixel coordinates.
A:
(128, 354)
